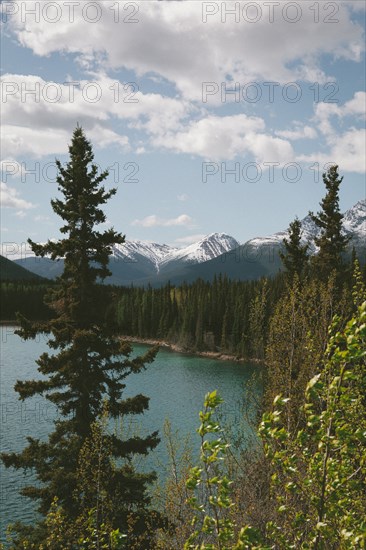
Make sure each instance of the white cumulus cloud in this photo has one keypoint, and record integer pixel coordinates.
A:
(300, 132)
(10, 198)
(172, 41)
(347, 147)
(156, 221)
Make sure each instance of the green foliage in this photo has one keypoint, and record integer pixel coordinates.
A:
(209, 518)
(298, 337)
(257, 321)
(173, 493)
(211, 500)
(317, 467)
(82, 533)
(359, 287)
(319, 472)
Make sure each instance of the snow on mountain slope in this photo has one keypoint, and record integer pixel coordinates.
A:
(161, 256)
(354, 222)
(132, 251)
(140, 260)
(206, 249)
(309, 231)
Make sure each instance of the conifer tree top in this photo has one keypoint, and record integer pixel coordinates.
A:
(83, 194)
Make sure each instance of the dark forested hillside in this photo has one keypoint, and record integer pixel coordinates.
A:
(217, 316)
(26, 297)
(10, 271)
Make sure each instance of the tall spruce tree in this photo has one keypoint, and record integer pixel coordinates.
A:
(331, 241)
(295, 257)
(89, 363)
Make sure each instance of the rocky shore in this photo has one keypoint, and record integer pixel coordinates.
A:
(180, 349)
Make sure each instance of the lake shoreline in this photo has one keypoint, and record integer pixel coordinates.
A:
(175, 348)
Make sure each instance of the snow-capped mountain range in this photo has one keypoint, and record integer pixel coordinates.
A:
(133, 250)
(354, 220)
(163, 257)
(354, 224)
(141, 262)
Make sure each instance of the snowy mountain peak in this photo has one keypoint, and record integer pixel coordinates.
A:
(354, 220)
(143, 262)
(209, 247)
(216, 242)
(161, 255)
(134, 249)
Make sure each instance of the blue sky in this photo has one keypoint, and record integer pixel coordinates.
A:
(150, 82)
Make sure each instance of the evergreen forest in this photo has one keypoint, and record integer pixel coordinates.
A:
(302, 487)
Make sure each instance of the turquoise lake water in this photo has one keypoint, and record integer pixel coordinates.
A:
(175, 383)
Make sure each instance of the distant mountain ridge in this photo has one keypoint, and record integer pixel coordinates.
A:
(153, 253)
(141, 262)
(259, 257)
(354, 224)
(10, 271)
(163, 256)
